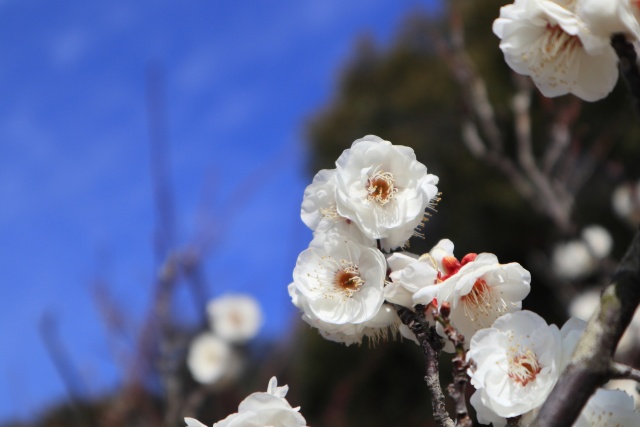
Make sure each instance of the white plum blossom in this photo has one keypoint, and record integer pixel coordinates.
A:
(628, 386)
(383, 189)
(383, 325)
(517, 362)
(546, 40)
(598, 239)
(410, 274)
(236, 318)
(319, 200)
(262, 409)
(605, 18)
(572, 260)
(608, 408)
(479, 290)
(210, 359)
(342, 280)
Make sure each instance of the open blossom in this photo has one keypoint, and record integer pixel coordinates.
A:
(547, 40)
(262, 409)
(235, 318)
(479, 290)
(517, 362)
(605, 18)
(608, 408)
(210, 359)
(409, 274)
(319, 211)
(383, 189)
(342, 280)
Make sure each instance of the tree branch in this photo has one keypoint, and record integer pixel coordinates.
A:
(457, 389)
(431, 344)
(592, 362)
(628, 66)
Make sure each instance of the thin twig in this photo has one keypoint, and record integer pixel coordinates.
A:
(457, 389)
(620, 371)
(431, 344)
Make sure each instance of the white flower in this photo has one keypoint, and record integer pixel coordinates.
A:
(517, 363)
(384, 324)
(598, 239)
(408, 274)
(608, 408)
(235, 318)
(341, 280)
(546, 40)
(604, 18)
(572, 260)
(210, 359)
(319, 200)
(628, 386)
(262, 409)
(383, 189)
(479, 290)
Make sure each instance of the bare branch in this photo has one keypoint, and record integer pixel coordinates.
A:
(628, 66)
(620, 371)
(592, 364)
(431, 344)
(457, 389)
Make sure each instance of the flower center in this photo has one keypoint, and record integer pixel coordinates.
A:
(347, 279)
(524, 367)
(380, 188)
(556, 41)
(482, 304)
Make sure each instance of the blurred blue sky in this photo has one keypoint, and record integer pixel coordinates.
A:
(75, 186)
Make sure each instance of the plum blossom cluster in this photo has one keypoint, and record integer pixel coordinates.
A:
(268, 408)
(347, 284)
(565, 46)
(234, 319)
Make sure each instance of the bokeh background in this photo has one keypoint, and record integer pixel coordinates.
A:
(143, 136)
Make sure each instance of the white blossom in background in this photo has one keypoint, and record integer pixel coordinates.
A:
(341, 280)
(262, 409)
(517, 362)
(585, 304)
(383, 189)
(572, 260)
(546, 40)
(598, 239)
(626, 202)
(605, 18)
(479, 290)
(608, 408)
(236, 318)
(409, 273)
(211, 360)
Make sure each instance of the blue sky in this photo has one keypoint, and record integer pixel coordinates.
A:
(240, 80)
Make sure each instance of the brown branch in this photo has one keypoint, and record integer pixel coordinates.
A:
(431, 344)
(620, 371)
(457, 389)
(592, 362)
(628, 66)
